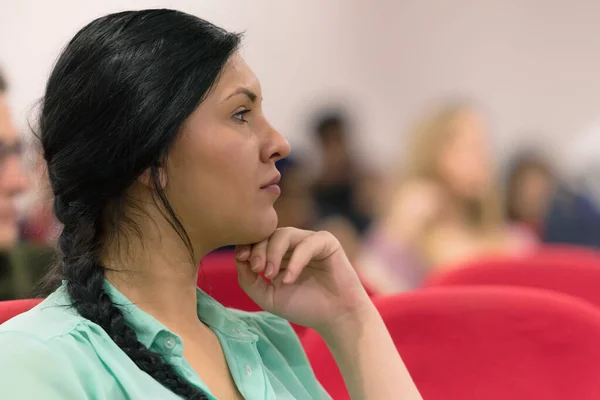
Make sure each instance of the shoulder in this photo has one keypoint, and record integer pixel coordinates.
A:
(52, 318)
(37, 365)
(520, 238)
(410, 210)
(53, 330)
(52, 346)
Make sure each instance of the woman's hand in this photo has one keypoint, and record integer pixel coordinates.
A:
(312, 282)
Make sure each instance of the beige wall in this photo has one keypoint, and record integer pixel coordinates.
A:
(533, 63)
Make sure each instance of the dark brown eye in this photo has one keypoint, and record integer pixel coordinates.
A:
(239, 116)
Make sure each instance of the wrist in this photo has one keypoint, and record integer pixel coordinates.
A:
(350, 324)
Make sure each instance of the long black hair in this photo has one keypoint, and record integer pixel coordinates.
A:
(114, 103)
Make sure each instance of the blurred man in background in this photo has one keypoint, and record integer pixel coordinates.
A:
(336, 188)
(295, 207)
(12, 178)
(18, 264)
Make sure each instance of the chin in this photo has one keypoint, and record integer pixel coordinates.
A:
(261, 229)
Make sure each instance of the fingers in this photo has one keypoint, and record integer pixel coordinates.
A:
(280, 244)
(251, 282)
(299, 246)
(242, 252)
(315, 246)
(258, 256)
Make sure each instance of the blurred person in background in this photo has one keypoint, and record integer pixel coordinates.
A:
(295, 207)
(38, 224)
(445, 207)
(344, 232)
(20, 263)
(530, 186)
(338, 184)
(574, 214)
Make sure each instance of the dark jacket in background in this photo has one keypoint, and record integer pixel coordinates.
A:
(21, 269)
(573, 219)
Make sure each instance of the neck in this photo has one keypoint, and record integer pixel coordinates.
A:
(158, 276)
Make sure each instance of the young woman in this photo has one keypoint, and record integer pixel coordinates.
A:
(445, 208)
(158, 152)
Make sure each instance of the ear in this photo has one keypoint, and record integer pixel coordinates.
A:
(147, 179)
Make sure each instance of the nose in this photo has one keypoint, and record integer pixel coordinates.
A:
(276, 146)
(13, 179)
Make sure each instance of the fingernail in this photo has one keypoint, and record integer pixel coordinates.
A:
(287, 278)
(269, 270)
(242, 255)
(255, 263)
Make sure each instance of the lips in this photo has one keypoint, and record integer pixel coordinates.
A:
(272, 182)
(272, 186)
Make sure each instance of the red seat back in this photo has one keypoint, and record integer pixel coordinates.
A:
(218, 277)
(487, 343)
(567, 270)
(12, 308)
(566, 255)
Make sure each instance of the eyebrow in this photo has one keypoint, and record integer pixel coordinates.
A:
(249, 93)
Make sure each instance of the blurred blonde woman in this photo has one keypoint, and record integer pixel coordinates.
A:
(443, 209)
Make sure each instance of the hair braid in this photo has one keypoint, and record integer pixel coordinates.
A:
(79, 243)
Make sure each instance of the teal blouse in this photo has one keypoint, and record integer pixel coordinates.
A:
(53, 353)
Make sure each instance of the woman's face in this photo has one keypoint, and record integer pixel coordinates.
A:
(220, 168)
(532, 194)
(465, 160)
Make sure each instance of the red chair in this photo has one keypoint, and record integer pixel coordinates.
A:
(12, 308)
(492, 343)
(566, 255)
(569, 271)
(218, 277)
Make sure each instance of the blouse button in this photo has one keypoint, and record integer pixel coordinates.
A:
(170, 343)
(248, 370)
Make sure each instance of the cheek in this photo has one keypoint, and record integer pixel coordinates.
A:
(466, 175)
(211, 172)
(473, 165)
(215, 187)
(451, 167)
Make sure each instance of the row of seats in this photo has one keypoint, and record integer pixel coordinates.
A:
(494, 329)
(571, 270)
(482, 343)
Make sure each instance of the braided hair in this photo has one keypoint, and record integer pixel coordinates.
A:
(114, 103)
